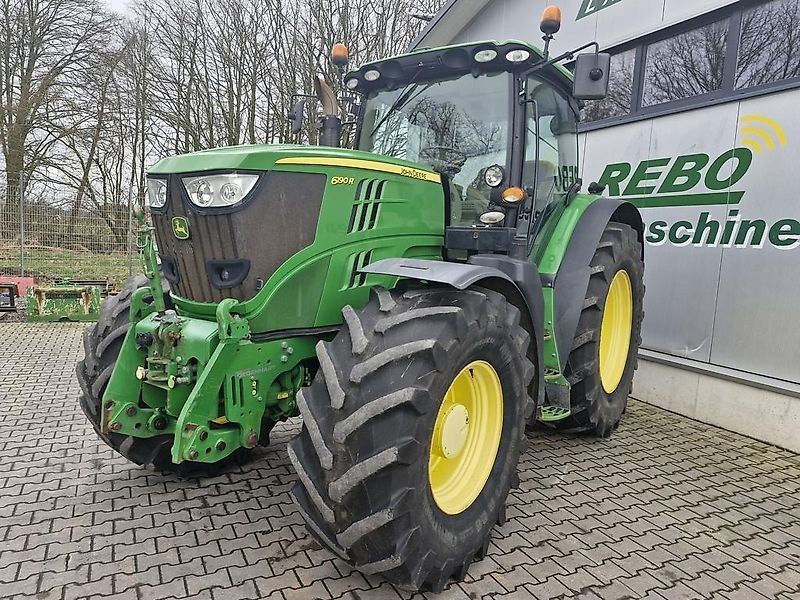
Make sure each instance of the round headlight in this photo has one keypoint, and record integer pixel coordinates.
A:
(157, 192)
(372, 75)
(518, 55)
(352, 83)
(230, 193)
(492, 217)
(493, 176)
(203, 193)
(484, 56)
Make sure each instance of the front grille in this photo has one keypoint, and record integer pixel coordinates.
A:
(254, 240)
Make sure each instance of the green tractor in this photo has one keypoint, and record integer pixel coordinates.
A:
(419, 301)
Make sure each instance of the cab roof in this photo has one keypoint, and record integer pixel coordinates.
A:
(447, 62)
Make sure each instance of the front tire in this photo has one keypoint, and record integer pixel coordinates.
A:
(372, 457)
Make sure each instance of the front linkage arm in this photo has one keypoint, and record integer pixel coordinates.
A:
(147, 251)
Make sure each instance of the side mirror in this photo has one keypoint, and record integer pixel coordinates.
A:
(296, 115)
(592, 72)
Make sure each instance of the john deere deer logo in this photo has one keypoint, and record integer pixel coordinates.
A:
(180, 227)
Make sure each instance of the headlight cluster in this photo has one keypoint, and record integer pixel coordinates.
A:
(494, 175)
(157, 192)
(206, 191)
(219, 191)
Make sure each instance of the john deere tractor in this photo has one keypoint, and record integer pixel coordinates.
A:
(418, 300)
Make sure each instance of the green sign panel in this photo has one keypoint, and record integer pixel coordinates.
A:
(590, 7)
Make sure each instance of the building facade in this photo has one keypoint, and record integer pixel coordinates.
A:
(700, 130)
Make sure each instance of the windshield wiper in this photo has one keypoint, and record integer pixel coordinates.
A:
(402, 99)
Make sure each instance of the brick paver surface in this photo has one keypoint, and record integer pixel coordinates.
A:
(666, 509)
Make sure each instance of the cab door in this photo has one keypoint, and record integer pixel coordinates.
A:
(550, 165)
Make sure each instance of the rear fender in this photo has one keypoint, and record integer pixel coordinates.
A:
(517, 280)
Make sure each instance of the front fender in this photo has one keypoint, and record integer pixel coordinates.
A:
(571, 278)
(517, 280)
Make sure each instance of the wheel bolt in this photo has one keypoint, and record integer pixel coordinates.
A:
(203, 436)
(130, 411)
(115, 426)
(193, 454)
(220, 446)
(252, 439)
(160, 423)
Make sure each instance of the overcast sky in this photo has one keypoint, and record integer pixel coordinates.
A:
(118, 5)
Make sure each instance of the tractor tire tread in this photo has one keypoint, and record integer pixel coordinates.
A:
(593, 410)
(361, 390)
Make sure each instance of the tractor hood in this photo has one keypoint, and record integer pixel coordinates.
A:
(209, 253)
(266, 157)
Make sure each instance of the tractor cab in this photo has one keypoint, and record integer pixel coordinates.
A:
(497, 120)
(457, 111)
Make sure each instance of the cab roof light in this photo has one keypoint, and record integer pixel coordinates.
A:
(486, 55)
(517, 55)
(372, 74)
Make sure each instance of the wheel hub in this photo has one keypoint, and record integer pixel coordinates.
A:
(455, 431)
(466, 437)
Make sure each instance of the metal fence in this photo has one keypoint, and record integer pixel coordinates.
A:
(43, 234)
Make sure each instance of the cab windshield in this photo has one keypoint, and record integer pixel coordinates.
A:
(457, 127)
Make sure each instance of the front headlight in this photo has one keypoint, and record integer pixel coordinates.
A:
(494, 175)
(219, 191)
(157, 192)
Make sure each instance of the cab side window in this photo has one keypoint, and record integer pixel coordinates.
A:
(552, 124)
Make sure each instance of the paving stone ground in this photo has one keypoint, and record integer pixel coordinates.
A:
(668, 508)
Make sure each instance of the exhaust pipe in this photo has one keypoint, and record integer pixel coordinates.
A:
(330, 123)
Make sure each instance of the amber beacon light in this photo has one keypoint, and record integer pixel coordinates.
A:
(339, 55)
(551, 20)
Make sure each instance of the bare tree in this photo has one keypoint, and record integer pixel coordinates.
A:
(46, 45)
(769, 47)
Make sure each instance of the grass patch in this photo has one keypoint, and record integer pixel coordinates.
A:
(56, 263)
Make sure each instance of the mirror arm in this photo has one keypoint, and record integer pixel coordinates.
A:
(571, 54)
(566, 56)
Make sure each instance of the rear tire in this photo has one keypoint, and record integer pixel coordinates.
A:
(362, 458)
(599, 392)
(102, 344)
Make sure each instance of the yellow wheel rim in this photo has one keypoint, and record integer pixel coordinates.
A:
(615, 331)
(466, 437)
